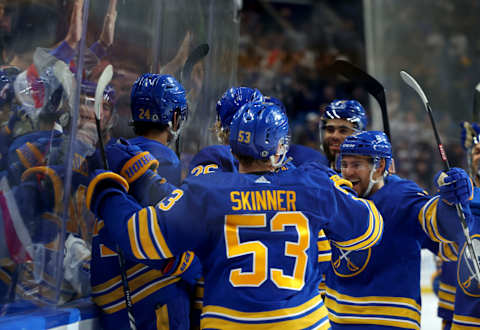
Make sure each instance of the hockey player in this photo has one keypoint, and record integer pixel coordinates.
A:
(159, 107)
(458, 304)
(297, 153)
(380, 287)
(257, 240)
(340, 119)
(219, 157)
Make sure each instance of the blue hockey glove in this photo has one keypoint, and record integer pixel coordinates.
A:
(100, 185)
(454, 186)
(469, 133)
(129, 161)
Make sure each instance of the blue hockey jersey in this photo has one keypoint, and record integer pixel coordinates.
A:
(446, 291)
(257, 240)
(302, 154)
(467, 296)
(211, 159)
(161, 298)
(380, 286)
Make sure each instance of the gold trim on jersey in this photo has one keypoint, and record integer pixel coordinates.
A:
(467, 322)
(406, 308)
(217, 317)
(371, 236)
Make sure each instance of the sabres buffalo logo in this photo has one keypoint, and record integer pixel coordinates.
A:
(467, 277)
(349, 263)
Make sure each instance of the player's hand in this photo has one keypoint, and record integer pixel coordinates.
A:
(454, 186)
(129, 161)
(469, 132)
(101, 183)
(108, 31)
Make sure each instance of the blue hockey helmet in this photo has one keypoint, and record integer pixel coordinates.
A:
(373, 144)
(232, 100)
(155, 98)
(350, 110)
(260, 130)
(274, 100)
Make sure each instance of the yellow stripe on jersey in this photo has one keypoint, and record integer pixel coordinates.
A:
(446, 296)
(447, 288)
(461, 322)
(428, 220)
(116, 280)
(185, 262)
(400, 301)
(368, 310)
(372, 234)
(324, 249)
(115, 298)
(272, 319)
(158, 236)
(374, 320)
(132, 234)
(448, 251)
(446, 305)
(145, 238)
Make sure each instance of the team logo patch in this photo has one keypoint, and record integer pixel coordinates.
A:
(467, 278)
(349, 263)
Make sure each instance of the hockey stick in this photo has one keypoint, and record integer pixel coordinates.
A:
(373, 87)
(193, 58)
(102, 83)
(408, 79)
(476, 104)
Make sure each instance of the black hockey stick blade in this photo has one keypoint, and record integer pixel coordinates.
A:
(371, 85)
(193, 58)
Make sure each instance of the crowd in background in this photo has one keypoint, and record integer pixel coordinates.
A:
(285, 49)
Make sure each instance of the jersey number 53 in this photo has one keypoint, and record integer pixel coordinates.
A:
(260, 269)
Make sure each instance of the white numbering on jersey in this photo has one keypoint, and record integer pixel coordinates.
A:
(235, 222)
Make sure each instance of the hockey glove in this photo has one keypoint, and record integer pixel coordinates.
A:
(469, 133)
(129, 161)
(454, 186)
(102, 183)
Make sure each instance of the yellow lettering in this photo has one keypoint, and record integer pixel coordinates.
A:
(235, 200)
(291, 199)
(261, 200)
(280, 200)
(272, 200)
(245, 202)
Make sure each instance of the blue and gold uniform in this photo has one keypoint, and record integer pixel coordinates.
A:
(446, 293)
(466, 313)
(258, 242)
(211, 159)
(161, 298)
(362, 288)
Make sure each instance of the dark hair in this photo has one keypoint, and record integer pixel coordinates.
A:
(143, 128)
(247, 160)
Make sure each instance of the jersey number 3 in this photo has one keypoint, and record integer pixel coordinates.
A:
(235, 222)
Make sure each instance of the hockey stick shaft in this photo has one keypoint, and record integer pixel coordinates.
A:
(461, 214)
(102, 83)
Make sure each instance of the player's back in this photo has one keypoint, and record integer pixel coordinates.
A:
(258, 242)
(169, 164)
(213, 158)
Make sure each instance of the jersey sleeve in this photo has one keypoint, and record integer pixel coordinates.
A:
(355, 223)
(154, 232)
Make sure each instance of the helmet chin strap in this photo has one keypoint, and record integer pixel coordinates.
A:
(371, 182)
